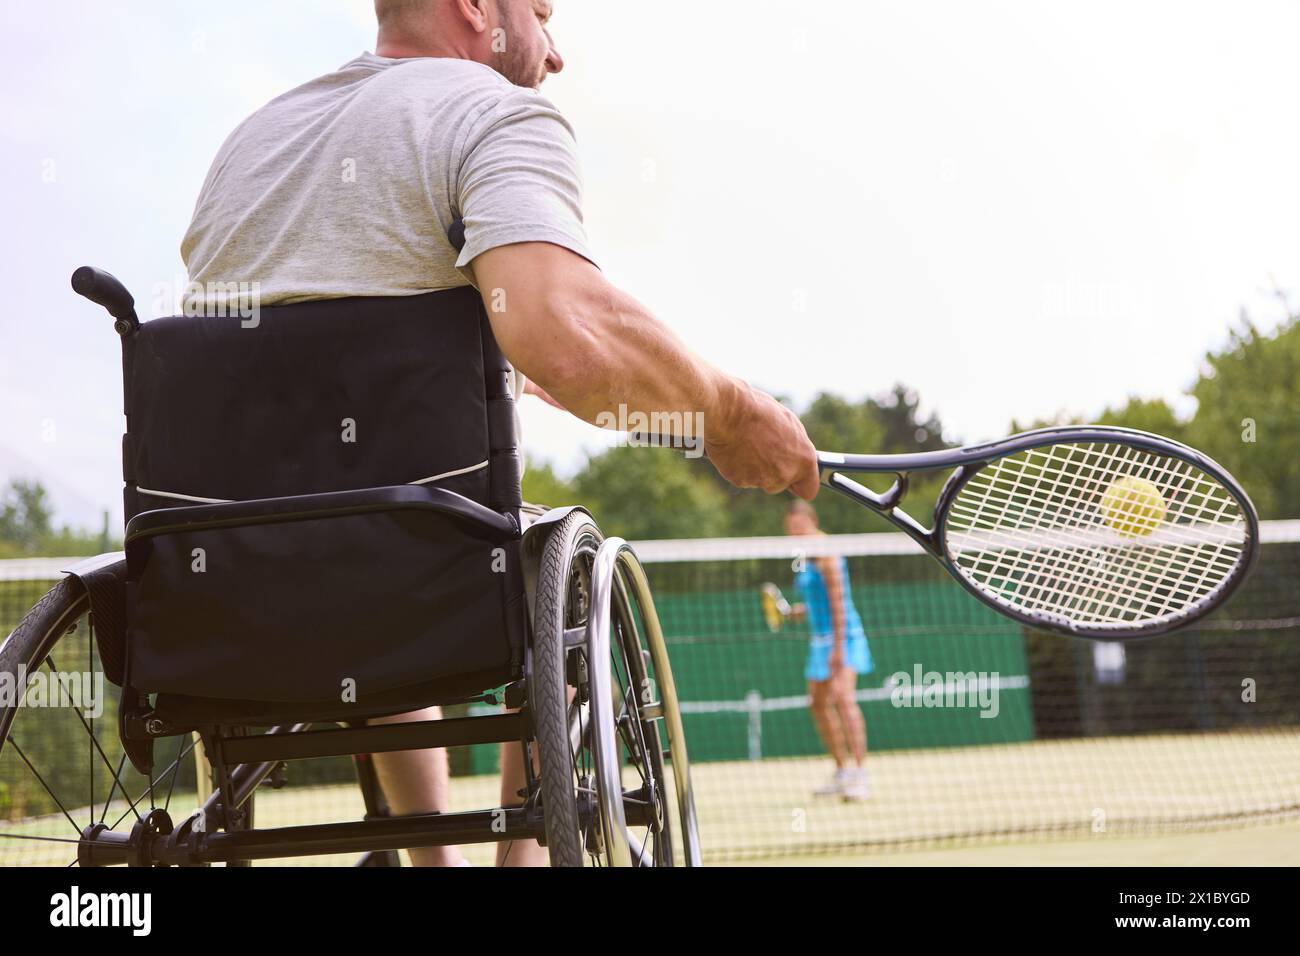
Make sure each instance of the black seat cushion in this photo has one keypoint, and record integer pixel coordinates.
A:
(322, 597)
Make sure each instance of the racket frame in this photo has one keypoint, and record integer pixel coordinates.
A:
(968, 462)
(775, 601)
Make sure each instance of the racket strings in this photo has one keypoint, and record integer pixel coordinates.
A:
(1050, 530)
(1085, 588)
(1073, 579)
(1053, 491)
(1070, 575)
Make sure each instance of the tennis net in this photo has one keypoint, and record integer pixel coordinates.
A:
(978, 729)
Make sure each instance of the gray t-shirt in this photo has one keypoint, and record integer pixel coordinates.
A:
(347, 185)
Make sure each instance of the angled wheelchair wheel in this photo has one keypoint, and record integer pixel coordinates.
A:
(64, 776)
(656, 709)
(605, 710)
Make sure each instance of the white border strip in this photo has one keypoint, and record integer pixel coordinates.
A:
(840, 545)
(176, 496)
(781, 546)
(452, 474)
(179, 497)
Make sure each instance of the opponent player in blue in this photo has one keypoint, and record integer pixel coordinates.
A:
(837, 654)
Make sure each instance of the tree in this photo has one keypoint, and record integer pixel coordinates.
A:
(542, 486)
(899, 414)
(25, 517)
(27, 527)
(1148, 415)
(1248, 413)
(643, 493)
(890, 425)
(1056, 421)
(836, 424)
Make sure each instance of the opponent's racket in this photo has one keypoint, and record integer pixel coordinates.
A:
(775, 607)
(1095, 532)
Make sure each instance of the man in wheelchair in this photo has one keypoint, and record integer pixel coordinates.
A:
(329, 497)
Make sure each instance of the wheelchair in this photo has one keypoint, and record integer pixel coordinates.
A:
(324, 526)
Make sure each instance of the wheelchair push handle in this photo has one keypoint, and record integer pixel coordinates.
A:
(104, 289)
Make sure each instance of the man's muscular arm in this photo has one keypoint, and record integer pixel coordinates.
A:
(595, 348)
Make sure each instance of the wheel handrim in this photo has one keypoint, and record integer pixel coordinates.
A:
(669, 710)
(607, 733)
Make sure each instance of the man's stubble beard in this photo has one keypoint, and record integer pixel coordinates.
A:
(511, 62)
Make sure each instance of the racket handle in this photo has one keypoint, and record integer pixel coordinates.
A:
(691, 444)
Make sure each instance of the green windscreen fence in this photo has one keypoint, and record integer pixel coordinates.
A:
(976, 728)
(746, 693)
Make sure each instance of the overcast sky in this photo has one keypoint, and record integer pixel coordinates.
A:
(1017, 208)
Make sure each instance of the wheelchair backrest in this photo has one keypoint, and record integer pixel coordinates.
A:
(296, 487)
(318, 397)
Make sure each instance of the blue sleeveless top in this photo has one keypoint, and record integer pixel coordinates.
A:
(812, 587)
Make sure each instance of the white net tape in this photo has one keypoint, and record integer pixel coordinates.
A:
(1103, 535)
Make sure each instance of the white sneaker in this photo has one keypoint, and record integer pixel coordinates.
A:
(856, 786)
(835, 786)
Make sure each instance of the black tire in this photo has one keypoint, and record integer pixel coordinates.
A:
(41, 626)
(46, 635)
(57, 790)
(564, 563)
(587, 802)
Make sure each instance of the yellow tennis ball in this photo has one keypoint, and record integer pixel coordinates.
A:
(1133, 506)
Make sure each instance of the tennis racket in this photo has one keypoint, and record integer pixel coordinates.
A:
(1094, 532)
(775, 607)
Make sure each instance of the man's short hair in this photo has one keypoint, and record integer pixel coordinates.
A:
(388, 11)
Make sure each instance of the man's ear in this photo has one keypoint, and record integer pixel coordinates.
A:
(475, 13)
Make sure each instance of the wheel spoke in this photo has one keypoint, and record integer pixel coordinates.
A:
(54, 670)
(117, 778)
(632, 733)
(42, 839)
(58, 774)
(36, 773)
(171, 788)
(49, 662)
(173, 767)
(627, 720)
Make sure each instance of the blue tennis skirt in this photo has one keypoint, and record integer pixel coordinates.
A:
(857, 655)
